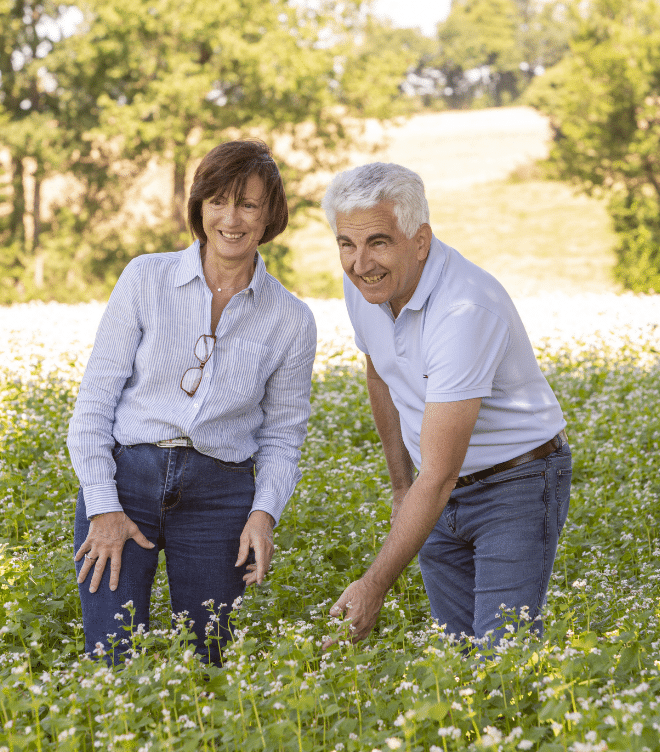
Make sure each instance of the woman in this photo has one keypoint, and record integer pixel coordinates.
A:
(200, 375)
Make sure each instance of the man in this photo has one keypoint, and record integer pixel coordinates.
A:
(456, 392)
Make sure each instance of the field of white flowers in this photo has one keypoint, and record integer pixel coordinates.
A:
(592, 685)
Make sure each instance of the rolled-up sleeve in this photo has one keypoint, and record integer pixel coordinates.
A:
(90, 438)
(286, 409)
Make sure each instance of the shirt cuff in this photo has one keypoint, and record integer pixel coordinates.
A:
(101, 499)
(267, 502)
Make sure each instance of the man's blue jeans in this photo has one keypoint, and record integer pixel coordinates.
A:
(494, 545)
(192, 506)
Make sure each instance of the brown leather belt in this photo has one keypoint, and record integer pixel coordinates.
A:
(535, 454)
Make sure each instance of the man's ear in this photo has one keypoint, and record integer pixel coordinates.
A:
(423, 238)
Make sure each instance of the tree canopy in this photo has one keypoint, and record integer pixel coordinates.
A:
(132, 82)
(604, 104)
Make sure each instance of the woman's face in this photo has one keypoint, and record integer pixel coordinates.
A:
(234, 227)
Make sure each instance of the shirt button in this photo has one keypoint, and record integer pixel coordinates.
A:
(196, 404)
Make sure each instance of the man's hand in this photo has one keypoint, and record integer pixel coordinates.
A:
(105, 541)
(258, 536)
(361, 603)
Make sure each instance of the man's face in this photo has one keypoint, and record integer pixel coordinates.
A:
(378, 258)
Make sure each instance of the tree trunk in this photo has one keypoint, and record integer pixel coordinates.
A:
(37, 251)
(16, 226)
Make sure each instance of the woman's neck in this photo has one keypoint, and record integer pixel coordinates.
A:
(226, 277)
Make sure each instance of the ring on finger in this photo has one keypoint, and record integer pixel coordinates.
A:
(89, 558)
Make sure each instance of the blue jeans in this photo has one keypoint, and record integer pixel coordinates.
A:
(494, 545)
(192, 506)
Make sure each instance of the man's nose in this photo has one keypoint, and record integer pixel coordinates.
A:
(363, 262)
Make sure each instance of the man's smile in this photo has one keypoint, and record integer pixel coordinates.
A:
(373, 280)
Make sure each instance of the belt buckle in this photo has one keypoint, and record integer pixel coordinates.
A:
(179, 441)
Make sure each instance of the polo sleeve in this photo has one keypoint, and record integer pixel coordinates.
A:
(463, 352)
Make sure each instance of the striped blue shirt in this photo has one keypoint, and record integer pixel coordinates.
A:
(253, 399)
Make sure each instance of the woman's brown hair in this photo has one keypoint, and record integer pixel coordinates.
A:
(225, 170)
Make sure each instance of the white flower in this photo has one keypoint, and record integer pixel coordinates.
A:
(393, 742)
(525, 744)
(491, 737)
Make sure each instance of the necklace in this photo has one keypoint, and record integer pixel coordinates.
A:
(239, 287)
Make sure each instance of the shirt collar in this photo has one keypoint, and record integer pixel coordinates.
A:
(190, 266)
(433, 267)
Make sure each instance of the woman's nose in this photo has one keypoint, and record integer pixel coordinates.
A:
(230, 213)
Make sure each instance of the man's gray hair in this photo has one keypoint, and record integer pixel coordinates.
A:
(368, 185)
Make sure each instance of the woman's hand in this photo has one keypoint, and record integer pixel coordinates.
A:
(105, 540)
(258, 536)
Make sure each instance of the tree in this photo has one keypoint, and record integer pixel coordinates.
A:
(158, 79)
(489, 50)
(31, 129)
(604, 104)
(371, 65)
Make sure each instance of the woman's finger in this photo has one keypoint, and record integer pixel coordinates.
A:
(85, 548)
(99, 567)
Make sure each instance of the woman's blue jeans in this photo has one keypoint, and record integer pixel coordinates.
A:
(192, 506)
(494, 546)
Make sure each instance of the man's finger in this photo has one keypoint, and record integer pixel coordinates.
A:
(341, 605)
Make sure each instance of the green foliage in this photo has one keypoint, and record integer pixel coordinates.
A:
(489, 50)
(604, 104)
(138, 81)
(592, 685)
(373, 64)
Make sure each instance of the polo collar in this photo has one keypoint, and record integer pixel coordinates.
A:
(190, 266)
(433, 267)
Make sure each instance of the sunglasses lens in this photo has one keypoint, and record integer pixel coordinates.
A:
(191, 379)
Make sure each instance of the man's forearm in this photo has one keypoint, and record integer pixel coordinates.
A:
(419, 512)
(386, 417)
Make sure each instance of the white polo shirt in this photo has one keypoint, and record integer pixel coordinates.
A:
(459, 337)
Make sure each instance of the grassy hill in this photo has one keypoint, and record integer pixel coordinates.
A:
(532, 234)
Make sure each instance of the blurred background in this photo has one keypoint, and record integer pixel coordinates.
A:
(534, 123)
